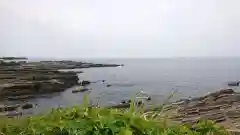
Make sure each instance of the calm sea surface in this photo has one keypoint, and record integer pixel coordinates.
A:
(158, 77)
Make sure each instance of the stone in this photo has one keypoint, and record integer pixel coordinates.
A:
(108, 85)
(6, 108)
(80, 90)
(216, 117)
(149, 98)
(124, 105)
(27, 106)
(234, 83)
(83, 83)
(221, 92)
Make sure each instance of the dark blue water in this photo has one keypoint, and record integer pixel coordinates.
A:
(158, 77)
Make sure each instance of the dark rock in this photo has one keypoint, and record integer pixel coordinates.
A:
(83, 83)
(12, 63)
(108, 85)
(216, 117)
(27, 106)
(13, 58)
(11, 107)
(6, 108)
(39, 84)
(234, 83)
(124, 105)
(125, 101)
(139, 102)
(80, 90)
(149, 98)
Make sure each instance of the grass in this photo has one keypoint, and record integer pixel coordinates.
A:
(85, 120)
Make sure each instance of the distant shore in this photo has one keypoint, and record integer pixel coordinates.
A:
(13, 58)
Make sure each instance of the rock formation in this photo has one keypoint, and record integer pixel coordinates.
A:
(19, 80)
(222, 107)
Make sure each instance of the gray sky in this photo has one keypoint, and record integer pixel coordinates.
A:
(119, 28)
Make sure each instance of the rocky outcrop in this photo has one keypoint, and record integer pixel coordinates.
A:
(84, 83)
(80, 90)
(15, 110)
(221, 107)
(5, 108)
(234, 83)
(26, 106)
(70, 64)
(9, 108)
(108, 85)
(21, 80)
(34, 83)
(13, 58)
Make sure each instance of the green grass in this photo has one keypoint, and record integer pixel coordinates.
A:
(84, 120)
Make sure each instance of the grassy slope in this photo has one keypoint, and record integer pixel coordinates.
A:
(85, 120)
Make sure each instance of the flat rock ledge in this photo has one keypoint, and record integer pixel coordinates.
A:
(20, 84)
(222, 107)
(24, 79)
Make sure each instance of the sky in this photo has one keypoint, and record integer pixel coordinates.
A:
(120, 28)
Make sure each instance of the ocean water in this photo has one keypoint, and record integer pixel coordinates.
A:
(190, 77)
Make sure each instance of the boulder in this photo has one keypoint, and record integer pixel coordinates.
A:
(108, 85)
(234, 83)
(83, 83)
(149, 98)
(124, 105)
(6, 108)
(80, 90)
(27, 106)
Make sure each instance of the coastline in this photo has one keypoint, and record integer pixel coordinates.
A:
(166, 118)
(23, 80)
(47, 72)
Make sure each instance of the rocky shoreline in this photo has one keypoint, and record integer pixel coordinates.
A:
(21, 80)
(222, 107)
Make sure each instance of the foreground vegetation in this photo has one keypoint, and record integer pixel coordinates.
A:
(84, 120)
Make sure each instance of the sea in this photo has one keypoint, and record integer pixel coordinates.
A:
(158, 78)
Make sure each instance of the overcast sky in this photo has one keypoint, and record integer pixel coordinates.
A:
(119, 28)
